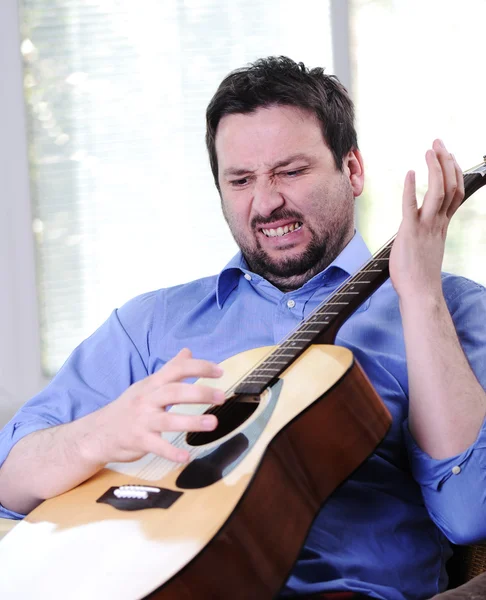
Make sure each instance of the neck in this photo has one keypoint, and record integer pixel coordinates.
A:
(294, 282)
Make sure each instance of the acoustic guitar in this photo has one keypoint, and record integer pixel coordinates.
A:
(231, 522)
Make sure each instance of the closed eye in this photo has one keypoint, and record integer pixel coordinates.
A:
(293, 173)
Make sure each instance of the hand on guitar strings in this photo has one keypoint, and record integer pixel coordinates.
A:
(130, 427)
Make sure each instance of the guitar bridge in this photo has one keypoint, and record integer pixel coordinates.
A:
(139, 497)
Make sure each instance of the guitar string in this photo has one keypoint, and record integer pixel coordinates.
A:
(382, 254)
(274, 354)
(179, 441)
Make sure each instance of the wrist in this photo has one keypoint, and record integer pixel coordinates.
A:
(423, 309)
(426, 300)
(91, 449)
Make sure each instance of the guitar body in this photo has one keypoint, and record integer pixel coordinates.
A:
(230, 523)
(246, 503)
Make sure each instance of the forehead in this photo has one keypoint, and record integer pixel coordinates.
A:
(267, 135)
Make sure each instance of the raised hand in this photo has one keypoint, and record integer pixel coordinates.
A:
(418, 250)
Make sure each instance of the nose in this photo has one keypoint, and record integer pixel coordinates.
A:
(266, 198)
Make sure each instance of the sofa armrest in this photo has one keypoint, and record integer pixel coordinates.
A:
(475, 589)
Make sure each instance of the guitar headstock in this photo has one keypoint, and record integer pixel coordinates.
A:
(474, 178)
(480, 169)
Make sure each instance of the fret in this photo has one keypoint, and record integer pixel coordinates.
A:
(280, 350)
(296, 347)
(316, 324)
(268, 363)
(345, 299)
(281, 362)
(332, 303)
(314, 320)
(266, 376)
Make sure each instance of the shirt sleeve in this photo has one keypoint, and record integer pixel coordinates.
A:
(454, 489)
(97, 372)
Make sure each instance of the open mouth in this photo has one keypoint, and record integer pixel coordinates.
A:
(281, 231)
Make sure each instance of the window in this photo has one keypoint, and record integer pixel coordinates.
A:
(116, 92)
(417, 76)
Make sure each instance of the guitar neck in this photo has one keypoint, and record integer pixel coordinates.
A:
(323, 324)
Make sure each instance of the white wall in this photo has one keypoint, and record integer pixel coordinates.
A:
(20, 372)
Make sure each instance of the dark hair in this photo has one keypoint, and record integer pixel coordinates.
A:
(281, 81)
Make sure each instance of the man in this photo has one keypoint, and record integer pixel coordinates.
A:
(285, 160)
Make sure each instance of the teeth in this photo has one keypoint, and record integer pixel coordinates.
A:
(280, 231)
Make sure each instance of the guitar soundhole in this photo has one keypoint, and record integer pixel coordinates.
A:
(230, 416)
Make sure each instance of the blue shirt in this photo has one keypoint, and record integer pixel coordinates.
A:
(375, 533)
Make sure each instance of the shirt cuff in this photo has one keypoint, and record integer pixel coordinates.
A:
(432, 472)
(9, 514)
(14, 431)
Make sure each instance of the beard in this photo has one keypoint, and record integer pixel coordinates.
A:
(328, 236)
(260, 261)
(320, 252)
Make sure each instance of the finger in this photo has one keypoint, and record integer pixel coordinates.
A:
(184, 393)
(171, 421)
(155, 444)
(435, 193)
(460, 192)
(409, 198)
(449, 174)
(183, 366)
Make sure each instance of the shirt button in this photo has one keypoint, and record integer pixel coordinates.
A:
(291, 303)
(456, 470)
(247, 276)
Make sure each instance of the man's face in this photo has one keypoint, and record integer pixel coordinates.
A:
(290, 210)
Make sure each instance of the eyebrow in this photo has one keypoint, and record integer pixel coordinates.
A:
(281, 163)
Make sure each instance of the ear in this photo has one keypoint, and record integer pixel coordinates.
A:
(353, 167)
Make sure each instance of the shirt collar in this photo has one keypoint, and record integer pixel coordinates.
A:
(352, 257)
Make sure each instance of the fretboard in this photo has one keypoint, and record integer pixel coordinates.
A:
(328, 317)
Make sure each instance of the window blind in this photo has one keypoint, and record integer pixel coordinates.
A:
(122, 193)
